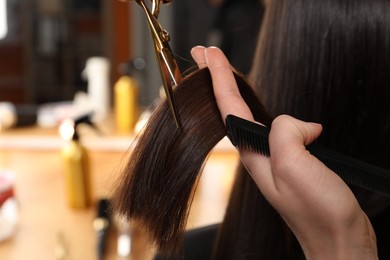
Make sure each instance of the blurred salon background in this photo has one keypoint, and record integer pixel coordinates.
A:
(44, 44)
(78, 79)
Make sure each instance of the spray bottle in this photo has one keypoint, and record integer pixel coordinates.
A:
(76, 164)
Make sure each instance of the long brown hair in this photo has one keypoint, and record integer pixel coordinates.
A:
(318, 60)
(325, 61)
(157, 184)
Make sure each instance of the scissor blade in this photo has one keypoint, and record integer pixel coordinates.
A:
(169, 78)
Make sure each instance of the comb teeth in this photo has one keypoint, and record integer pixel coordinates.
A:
(250, 136)
(247, 135)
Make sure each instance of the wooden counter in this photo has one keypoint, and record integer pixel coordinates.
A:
(44, 215)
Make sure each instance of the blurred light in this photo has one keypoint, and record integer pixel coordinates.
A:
(124, 245)
(66, 129)
(3, 19)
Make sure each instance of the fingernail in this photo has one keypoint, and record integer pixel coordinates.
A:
(315, 124)
(197, 47)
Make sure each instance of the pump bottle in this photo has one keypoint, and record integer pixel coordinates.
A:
(76, 168)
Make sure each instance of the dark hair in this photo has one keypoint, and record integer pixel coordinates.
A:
(157, 184)
(331, 66)
(318, 60)
(328, 61)
(324, 61)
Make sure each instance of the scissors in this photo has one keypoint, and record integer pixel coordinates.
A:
(169, 69)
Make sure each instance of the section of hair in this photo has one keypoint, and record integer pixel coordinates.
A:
(157, 184)
(324, 61)
(252, 228)
(327, 61)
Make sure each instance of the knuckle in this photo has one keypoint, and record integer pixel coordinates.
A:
(280, 122)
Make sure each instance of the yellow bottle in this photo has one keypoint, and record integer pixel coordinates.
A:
(76, 172)
(126, 104)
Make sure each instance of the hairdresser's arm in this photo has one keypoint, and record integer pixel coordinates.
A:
(317, 205)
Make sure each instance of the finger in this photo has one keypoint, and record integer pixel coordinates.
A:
(198, 54)
(225, 87)
(301, 177)
(288, 138)
(229, 101)
(294, 131)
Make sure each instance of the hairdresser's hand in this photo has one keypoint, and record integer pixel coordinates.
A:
(318, 206)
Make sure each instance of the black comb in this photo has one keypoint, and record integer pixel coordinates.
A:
(254, 137)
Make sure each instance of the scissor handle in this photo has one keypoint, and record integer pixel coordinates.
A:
(156, 6)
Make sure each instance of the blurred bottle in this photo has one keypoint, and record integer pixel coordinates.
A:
(126, 97)
(97, 73)
(76, 165)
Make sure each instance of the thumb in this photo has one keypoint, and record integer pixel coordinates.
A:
(288, 130)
